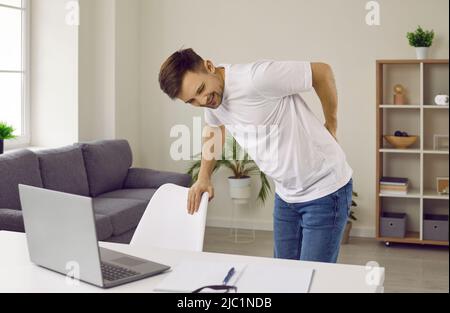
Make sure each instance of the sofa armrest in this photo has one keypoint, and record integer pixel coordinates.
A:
(146, 178)
(11, 220)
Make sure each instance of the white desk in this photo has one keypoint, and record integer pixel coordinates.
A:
(17, 274)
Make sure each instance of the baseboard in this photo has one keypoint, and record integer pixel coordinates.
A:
(363, 232)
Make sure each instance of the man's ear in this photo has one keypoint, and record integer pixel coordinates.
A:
(209, 66)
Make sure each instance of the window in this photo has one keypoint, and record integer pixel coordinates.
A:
(14, 75)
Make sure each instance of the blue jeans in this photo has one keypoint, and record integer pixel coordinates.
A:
(312, 231)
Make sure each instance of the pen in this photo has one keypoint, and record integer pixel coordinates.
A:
(229, 276)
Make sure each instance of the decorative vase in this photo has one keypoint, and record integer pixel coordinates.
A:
(1, 146)
(399, 100)
(422, 53)
(240, 189)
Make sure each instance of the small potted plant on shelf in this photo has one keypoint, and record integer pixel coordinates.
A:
(6, 133)
(422, 41)
(243, 167)
(352, 218)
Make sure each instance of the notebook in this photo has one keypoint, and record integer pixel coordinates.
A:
(249, 278)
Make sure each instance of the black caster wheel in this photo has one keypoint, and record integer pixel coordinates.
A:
(387, 244)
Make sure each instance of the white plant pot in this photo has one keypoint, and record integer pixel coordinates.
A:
(240, 190)
(422, 53)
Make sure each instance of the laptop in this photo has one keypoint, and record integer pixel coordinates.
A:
(62, 237)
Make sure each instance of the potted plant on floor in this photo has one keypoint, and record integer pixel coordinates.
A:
(243, 167)
(6, 132)
(352, 218)
(422, 41)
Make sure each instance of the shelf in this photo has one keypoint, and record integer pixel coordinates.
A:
(414, 193)
(414, 61)
(435, 151)
(435, 165)
(435, 82)
(435, 122)
(412, 151)
(396, 106)
(431, 194)
(442, 107)
(414, 238)
(411, 237)
(434, 243)
(392, 150)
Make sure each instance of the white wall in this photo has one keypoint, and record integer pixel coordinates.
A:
(109, 71)
(127, 74)
(97, 70)
(54, 75)
(243, 31)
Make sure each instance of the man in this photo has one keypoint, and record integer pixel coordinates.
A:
(313, 180)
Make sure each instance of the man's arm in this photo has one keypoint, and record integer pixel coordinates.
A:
(325, 86)
(209, 157)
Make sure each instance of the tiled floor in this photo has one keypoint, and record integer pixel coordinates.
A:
(409, 268)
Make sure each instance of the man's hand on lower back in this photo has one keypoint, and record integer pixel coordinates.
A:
(196, 192)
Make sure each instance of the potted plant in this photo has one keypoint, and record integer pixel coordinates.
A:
(422, 41)
(352, 218)
(243, 167)
(6, 132)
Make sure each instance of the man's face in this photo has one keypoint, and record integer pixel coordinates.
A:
(203, 88)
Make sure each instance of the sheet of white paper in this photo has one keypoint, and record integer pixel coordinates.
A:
(260, 278)
(191, 275)
(254, 278)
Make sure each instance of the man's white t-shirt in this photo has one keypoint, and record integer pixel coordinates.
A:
(262, 108)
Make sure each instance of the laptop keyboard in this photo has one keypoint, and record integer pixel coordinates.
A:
(113, 272)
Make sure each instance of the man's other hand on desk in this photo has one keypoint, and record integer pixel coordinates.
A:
(195, 195)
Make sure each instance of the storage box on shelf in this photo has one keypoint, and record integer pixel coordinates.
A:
(435, 227)
(393, 225)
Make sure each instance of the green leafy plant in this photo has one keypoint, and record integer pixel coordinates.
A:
(240, 164)
(6, 131)
(354, 205)
(420, 38)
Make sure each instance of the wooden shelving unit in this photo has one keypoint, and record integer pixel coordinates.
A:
(423, 80)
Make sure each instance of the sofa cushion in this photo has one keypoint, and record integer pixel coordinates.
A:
(63, 170)
(107, 164)
(103, 226)
(124, 214)
(11, 220)
(147, 178)
(16, 168)
(124, 238)
(138, 194)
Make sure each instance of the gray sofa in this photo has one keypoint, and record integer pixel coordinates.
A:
(100, 170)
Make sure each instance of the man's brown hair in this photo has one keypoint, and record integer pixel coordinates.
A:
(173, 70)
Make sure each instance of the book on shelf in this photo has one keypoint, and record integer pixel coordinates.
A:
(394, 181)
(389, 187)
(394, 186)
(393, 192)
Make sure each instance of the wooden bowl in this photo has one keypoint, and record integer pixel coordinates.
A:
(401, 142)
